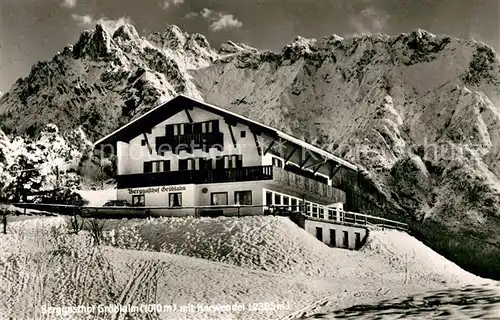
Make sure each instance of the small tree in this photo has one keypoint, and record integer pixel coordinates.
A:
(95, 227)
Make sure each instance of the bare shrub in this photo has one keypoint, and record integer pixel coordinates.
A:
(75, 223)
(95, 227)
(4, 212)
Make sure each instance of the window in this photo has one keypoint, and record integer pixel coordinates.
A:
(321, 212)
(175, 199)
(219, 198)
(234, 161)
(315, 210)
(166, 165)
(243, 134)
(286, 200)
(277, 162)
(206, 164)
(319, 233)
(243, 197)
(301, 206)
(332, 215)
(143, 142)
(178, 129)
(277, 198)
(187, 164)
(269, 198)
(294, 205)
(308, 208)
(207, 127)
(138, 200)
(157, 166)
(333, 237)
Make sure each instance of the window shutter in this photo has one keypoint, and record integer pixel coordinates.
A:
(182, 164)
(169, 130)
(166, 165)
(239, 161)
(215, 125)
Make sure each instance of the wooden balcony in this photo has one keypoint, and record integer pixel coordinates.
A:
(190, 142)
(309, 187)
(280, 179)
(194, 177)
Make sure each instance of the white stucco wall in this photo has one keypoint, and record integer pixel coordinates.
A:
(311, 225)
(133, 155)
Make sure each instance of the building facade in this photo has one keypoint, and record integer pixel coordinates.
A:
(188, 157)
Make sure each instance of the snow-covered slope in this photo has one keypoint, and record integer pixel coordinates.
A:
(276, 244)
(419, 112)
(41, 264)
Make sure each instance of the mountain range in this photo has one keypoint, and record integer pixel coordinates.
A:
(419, 113)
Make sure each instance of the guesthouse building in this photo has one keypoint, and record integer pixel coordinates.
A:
(187, 155)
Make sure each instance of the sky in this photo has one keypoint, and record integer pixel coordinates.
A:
(34, 30)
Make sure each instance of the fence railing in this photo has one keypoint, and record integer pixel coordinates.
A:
(331, 215)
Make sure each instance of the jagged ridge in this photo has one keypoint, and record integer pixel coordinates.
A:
(383, 102)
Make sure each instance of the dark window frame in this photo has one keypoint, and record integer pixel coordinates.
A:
(141, 203)
(170, 199)
(241, 191)
(216, 193)
(269, 198)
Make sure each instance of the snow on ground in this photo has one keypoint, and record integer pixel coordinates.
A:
(265, 259)
(276, 244)
(473, 301)
(98, 198)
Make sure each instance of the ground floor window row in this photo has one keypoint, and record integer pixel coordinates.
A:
(216, 199)
(301, 205)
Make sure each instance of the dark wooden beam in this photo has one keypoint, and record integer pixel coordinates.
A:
(259, 150)
(230, 121)
(291, 154)
(318, 167)
(189, 116)
(147, 143)
(270, 146)
(230, 127)
(305, 161)
(334, 171)
(315, 164)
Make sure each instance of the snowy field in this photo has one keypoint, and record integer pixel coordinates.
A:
(256, 267)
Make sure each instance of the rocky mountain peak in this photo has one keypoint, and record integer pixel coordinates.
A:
(383, 102)
(230, 47)
(126, 32)
(96, 44)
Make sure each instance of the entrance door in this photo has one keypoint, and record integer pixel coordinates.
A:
(346, 239)
(333, 238)
(319, 234)
(358, 240)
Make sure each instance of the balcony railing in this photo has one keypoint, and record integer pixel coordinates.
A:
(194, 177)
(279, 177)
(307, 185)
(190, 141)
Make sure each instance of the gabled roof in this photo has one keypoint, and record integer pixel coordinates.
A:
(181, 102)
